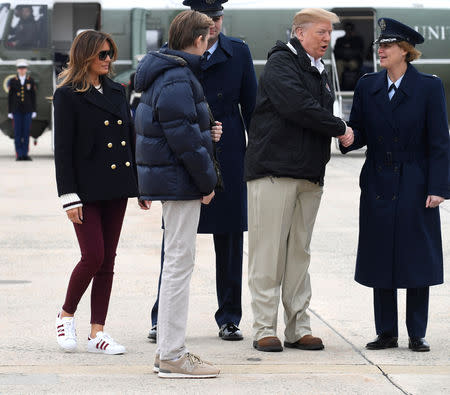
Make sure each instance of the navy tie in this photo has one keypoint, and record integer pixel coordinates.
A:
(206, 55)
(390, 88)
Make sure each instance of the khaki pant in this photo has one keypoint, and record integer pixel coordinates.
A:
(281, 214)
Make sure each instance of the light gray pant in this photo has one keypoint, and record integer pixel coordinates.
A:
(180, 232)
(281, 216)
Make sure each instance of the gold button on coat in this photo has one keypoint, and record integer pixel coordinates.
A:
(127, 164)
(109, 145)
(123, 143)
(119, 122)
(106, 123)
(113, 167)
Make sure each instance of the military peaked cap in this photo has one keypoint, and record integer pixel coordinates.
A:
(393, 31)
(21, 63)
(209, 7)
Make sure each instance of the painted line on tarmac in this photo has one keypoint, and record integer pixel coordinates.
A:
(235, 369)
(416, 369)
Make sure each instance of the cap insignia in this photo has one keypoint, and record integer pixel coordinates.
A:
(210, 1)
(382, 25)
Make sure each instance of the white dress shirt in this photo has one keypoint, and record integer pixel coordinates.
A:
(316, 63)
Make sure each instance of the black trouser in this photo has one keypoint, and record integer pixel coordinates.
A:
(228, 248)
(385, 308)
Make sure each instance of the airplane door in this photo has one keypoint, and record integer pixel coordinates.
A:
(67, 20)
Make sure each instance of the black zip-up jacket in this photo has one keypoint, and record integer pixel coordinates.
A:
(293, 122)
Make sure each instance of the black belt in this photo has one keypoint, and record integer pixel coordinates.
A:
(390, 157)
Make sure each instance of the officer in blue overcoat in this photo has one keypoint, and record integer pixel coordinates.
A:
(400, 115)
(229, 83)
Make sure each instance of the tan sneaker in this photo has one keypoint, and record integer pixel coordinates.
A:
(156, 364)
(188, 366)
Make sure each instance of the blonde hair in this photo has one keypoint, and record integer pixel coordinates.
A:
(84, 50)
(412, 52)
(312, 15)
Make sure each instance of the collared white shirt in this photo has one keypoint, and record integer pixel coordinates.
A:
(212, 49)
(397, 84)
(316, 63)
(22, 79)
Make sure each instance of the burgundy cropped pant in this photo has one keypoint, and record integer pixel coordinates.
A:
(98, 237)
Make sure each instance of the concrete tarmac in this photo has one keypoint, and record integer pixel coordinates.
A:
(39, 250)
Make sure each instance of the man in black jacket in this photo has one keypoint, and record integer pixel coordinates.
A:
(289, 146)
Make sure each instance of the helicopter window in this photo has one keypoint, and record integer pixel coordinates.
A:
(28, 27)
(4, 10)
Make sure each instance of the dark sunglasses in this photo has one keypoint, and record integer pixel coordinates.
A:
(103, 54)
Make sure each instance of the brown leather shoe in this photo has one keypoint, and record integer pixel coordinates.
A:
(269, 343)
(307, 342)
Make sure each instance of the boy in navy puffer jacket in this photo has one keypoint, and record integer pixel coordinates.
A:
(174, 164)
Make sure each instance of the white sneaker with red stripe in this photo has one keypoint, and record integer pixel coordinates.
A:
(103, 343)
(65, 333)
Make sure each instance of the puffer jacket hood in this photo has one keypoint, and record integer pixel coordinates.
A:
(155, 64)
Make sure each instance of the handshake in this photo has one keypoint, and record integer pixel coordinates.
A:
(347, 139)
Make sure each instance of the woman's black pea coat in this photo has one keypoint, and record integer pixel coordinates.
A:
(94, 143)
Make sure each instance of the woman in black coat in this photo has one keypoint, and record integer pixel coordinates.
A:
(95, 175)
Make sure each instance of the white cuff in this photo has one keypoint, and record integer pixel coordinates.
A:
(70, 200)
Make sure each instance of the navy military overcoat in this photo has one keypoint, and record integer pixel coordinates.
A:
(407, 159)
(229, 81)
